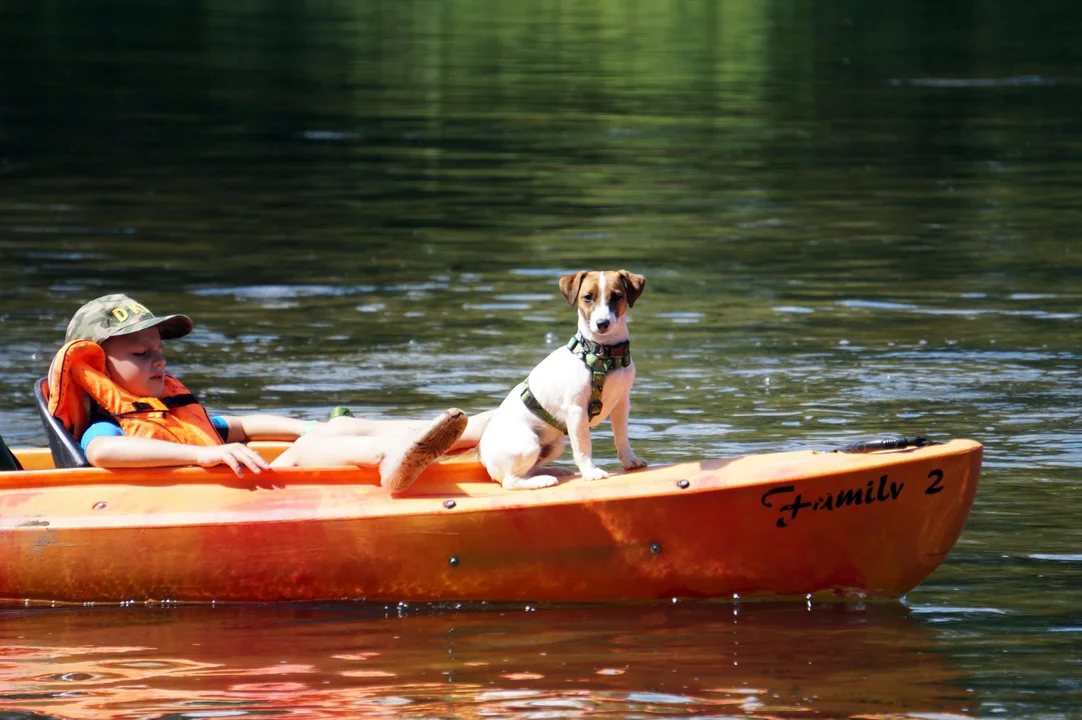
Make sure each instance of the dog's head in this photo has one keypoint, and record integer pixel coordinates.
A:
(602, 297)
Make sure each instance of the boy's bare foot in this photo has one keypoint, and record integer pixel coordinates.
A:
(402, 464)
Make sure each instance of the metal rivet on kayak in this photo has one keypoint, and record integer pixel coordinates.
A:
(100, 505)
(449, 504)
(683, 484)
(453, 560)
(655, 548)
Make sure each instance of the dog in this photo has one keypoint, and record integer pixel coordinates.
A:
(573, 389)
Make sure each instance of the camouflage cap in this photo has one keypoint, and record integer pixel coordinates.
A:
(110, 315)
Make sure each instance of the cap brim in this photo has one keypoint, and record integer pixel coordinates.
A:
(169, 327)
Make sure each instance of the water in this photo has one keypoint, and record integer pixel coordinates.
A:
(854, 219)
(695, 660)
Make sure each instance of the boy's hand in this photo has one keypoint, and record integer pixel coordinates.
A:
(235, 455)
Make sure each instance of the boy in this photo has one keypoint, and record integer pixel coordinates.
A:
(143, 417)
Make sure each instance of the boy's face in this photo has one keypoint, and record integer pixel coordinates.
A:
(136, 362)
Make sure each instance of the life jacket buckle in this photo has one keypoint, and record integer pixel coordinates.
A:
(155, 404)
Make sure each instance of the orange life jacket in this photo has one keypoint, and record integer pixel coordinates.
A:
(78, 371)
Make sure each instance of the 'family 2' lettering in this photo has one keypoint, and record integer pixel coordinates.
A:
(849, 497)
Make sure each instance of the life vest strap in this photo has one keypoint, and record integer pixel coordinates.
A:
(159, 404)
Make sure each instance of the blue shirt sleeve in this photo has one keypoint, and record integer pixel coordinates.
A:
(221, 425)
(99, 429)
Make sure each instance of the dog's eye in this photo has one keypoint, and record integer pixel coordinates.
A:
(588, 297)
(617, 297)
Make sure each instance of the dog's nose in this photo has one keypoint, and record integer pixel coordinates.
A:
(602, 325)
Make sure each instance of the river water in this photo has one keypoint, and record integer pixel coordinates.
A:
(855, 218)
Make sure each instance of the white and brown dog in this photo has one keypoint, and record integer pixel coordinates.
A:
(575, 388)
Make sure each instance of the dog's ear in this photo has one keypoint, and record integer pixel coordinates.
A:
(633, 285)
(570, 284)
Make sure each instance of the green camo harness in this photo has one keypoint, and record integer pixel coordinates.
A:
(599, 359)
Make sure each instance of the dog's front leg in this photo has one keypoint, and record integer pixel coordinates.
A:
(578, 431)
(621, 411)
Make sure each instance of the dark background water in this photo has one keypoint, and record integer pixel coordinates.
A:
(854, 218)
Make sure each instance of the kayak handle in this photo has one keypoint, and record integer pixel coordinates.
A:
(899, 442)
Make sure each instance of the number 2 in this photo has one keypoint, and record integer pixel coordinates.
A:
(935, 487)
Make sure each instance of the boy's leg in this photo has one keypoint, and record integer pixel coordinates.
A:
(362, 427)
(400, 457)
(314, 450)
(475, 427)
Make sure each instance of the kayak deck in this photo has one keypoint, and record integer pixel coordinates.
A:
(772, 524)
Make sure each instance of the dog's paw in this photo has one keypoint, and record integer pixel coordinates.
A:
(594, 473)
(633, 463)
(528, 483)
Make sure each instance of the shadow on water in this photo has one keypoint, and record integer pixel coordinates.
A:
(751, 660)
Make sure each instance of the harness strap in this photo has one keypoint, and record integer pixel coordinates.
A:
(536, 408)
(618, 350)
(601, 360)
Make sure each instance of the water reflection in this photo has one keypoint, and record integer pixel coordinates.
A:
(757, 660)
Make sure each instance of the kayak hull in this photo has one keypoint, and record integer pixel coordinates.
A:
(777, 524)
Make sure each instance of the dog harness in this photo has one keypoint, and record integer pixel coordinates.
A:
(78, 373)
(599, 359)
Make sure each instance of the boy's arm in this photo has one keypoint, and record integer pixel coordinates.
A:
(120, 451)
(243, 428)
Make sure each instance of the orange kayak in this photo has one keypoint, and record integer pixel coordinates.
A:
(772, 524)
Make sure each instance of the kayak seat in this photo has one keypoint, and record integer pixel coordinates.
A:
(66, 450)
(8, 461)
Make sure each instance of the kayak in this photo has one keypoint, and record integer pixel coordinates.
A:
(828, 524)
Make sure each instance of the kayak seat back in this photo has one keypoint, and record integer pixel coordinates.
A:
(66, 450)
(8, 461)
